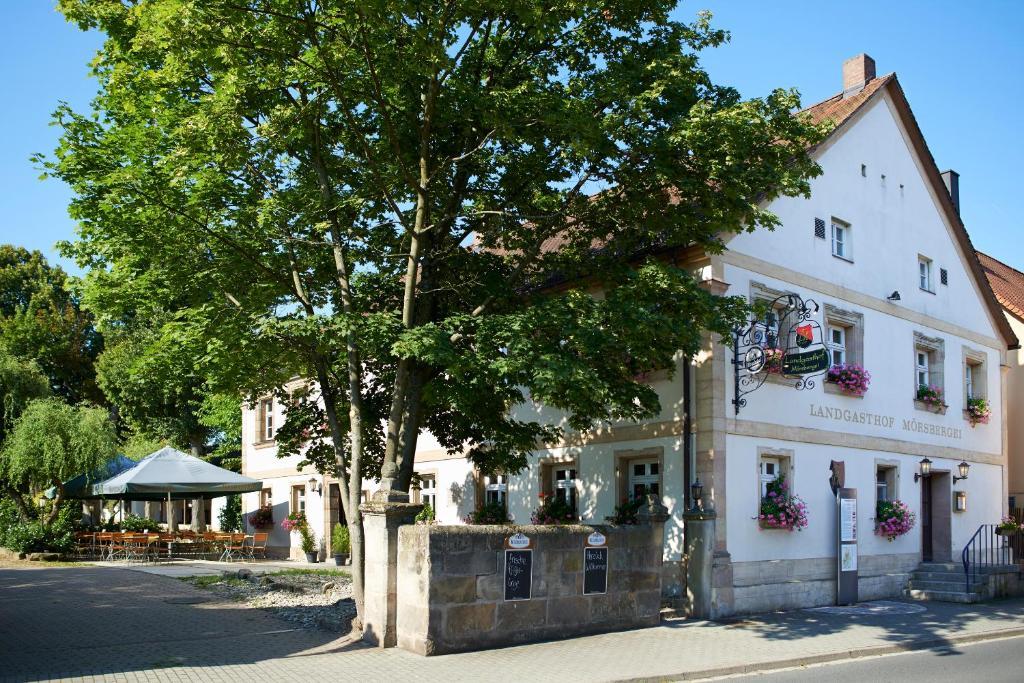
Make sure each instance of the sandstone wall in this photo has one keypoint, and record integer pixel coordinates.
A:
(451, 585)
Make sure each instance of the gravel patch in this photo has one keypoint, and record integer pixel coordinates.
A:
(309, 601)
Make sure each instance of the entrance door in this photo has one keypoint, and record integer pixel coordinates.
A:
(926, 519)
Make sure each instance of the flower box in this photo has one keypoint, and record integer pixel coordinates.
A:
(850, 378)
(780, 509)
(977, 411)
(893, 519)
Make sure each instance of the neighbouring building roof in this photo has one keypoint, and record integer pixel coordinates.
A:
(1007, 284)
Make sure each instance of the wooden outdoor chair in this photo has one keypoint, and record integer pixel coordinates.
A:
(258, 546)
(234, 549)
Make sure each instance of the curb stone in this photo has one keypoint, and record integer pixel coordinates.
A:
(837, 656)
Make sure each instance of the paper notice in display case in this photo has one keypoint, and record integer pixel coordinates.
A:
(848, 520)
(849, 558)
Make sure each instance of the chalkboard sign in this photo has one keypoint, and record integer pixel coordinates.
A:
(518, 574)
(595, 571)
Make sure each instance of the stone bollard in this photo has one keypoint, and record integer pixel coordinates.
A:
(699, 530)
(382, 516)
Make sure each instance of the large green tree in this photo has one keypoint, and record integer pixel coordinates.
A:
(379, 196)
(21, 382)
(41, 319)
(52, 442)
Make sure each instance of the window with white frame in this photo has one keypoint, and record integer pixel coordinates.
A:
(837, 344)
(563, 484)
(266, 413)
(428, 490)
(841, 240)
(885, 482)
(975, 382)
(299, 499)
(923, 367)
(267, 498)
(771, 469)
(924, 273)
(844, 336)
(496, 489)
(644, 478)
(929, 359)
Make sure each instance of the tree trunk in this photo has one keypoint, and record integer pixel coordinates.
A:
(196, 443)
(147, 509)
(19, 502)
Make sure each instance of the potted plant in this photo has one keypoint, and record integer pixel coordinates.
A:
(931, 396)
(978, 411)
(488, 513)
(340, 545)
(1008, 526)
(626, 511)
(309, 544)
(893, 519)
(780, 509)
(262, 517)
(553, 510)
(851, 378)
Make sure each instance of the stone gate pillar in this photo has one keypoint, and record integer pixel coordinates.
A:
(699, 532)
(382, 516)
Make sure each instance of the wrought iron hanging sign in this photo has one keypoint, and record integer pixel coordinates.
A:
(785, 341)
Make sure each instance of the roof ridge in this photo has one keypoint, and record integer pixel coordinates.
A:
(891, 74)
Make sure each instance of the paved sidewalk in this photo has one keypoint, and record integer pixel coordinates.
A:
(125, 625)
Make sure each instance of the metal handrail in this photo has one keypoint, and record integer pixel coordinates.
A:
(986, 548)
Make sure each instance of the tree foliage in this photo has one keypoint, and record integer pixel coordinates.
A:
(380, 196)
(42, 319)
(53, 442)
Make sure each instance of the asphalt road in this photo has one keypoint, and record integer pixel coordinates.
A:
(1000, 661)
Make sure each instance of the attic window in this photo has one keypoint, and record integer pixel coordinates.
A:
(819, 228)
(864, 170)
(943, 276)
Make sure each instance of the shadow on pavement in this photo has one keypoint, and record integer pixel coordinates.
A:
(81, 621)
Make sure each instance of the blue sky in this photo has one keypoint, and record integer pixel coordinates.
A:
(961, 65)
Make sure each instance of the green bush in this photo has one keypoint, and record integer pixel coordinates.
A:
(32, 536)
(489, 513)
(132, 522)
(230, 516)
(426, 515)
(340, 541)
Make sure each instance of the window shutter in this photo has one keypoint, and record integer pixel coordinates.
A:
(819, 228)
(943, 276)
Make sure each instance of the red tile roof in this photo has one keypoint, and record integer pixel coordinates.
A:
(1007, 284)
(838, 108)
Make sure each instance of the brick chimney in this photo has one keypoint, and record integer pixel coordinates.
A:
(857, 71)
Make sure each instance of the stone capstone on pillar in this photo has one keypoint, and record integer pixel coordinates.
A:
(382, 516)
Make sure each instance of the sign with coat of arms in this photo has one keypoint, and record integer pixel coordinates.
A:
(781, 339)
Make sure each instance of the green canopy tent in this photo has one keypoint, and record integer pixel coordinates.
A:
(170, 475)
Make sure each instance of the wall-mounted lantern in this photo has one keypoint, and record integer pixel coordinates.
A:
(960, 501)
(315, 485)
(696, 492)
(964, 468)
(925, 467)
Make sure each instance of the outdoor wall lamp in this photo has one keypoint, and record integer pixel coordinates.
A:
(696, 491)
(926, 469)
(964, 468)
(960, 501)
(315, 485)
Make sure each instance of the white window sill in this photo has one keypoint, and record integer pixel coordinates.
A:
(842, 258)
(929, 291)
